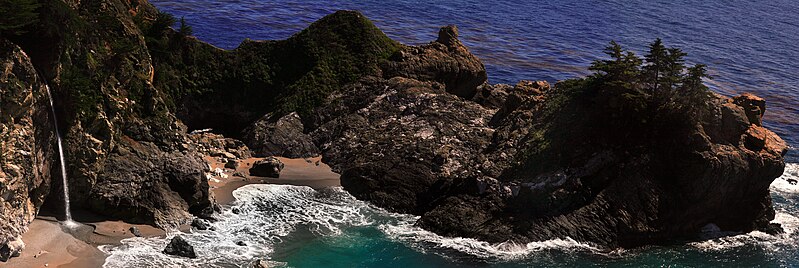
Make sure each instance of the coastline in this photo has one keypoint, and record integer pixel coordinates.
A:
(50, 244)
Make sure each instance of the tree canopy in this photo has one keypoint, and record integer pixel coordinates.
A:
(16, 14)
(643, 89)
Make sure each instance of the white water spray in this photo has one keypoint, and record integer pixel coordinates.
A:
(67, 212)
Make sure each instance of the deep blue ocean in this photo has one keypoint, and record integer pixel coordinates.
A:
(750, 46)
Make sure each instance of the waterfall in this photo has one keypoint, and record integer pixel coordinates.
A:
(67, 212)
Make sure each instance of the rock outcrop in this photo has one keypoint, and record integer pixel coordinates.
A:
(446, 61)
(267, 167)
(415, 129)
(535, 162)
(282, 136)
(179, 247)
(125, 151)
(26, 146)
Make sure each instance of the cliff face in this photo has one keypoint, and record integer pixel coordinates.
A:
(26, 139)
(415, 129)
(127, 155)
(536, 162)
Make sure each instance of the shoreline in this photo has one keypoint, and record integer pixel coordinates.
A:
(50, 244)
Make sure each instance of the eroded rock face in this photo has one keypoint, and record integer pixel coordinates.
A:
(26, 140)
(402, 143)
(282, 136)
(125, 150)
(446, 61)
(528, 163)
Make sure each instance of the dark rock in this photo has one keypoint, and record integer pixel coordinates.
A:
(260, 264)
(282, 136)
(199, 224)
(448, 35)
(409, 146)
(772, 229)
(179, 247)
(174, 184)
(232, 164)
(492, 96)
(398, 139)
(755, 138)
(11, 249)
(135, 231)
(241, 243)
(446, 61)
(268, 167)
(235, 210)
(793, 181)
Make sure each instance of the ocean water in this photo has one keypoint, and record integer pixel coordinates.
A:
(749, 47)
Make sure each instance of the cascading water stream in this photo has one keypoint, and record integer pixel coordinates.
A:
(68, 221)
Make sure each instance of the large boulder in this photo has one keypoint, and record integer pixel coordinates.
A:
(267, 167)
(27, 142)
(284, 136)
(754, 107)
(179, 247)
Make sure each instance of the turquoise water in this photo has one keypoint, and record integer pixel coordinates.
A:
(749, 47)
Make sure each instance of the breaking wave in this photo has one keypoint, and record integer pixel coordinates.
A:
(424, 240)
(788, 183)
(267, 215)
(785, 192)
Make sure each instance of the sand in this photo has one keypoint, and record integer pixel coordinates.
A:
(308, 172)
(50, 244)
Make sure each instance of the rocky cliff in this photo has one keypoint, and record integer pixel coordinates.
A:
(127, 155)
(534, 162)
(415, 129)
(26, 146)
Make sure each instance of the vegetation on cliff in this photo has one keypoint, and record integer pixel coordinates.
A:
(626, 100)
(262, 77)
(16, 15)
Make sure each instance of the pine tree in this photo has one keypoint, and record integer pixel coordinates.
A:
(656, 61)
(16, 14)
(675, 66)
(185, 29)
(162, 21)
(693, 94)
(622, 69)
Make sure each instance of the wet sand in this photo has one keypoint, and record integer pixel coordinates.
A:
(308, 172)
(50, 244)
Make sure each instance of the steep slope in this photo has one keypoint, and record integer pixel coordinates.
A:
(126, 153)
(26, 142)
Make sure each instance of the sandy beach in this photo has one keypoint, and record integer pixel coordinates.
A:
(51, 244)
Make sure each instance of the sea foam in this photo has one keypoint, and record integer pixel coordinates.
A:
(784, 188)
(267, 214)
